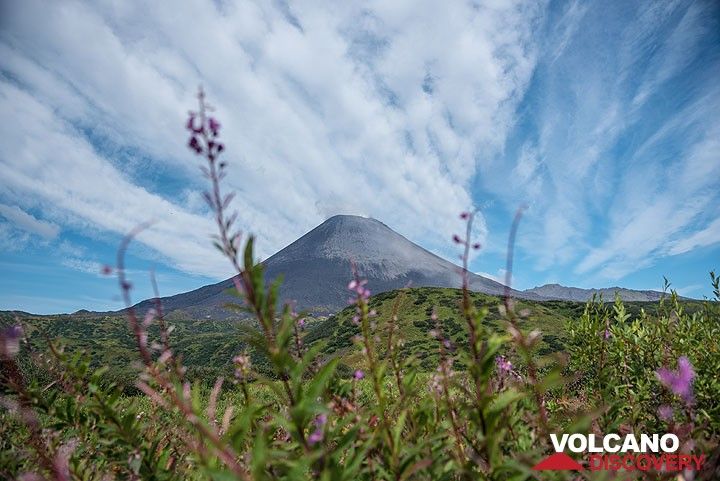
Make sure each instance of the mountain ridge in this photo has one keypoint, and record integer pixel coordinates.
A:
(567, 293)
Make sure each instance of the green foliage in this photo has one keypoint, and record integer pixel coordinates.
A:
(302, 418)
(616, 357)
(435, 384)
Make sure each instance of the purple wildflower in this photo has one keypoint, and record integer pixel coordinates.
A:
(680, 381)
(321, 420)
(665, 412)
(10, 340)
(318, 434)
(503, 365)
(214, 126)
(359, 288)
(315, 437)
(359, 374)
(194, 144)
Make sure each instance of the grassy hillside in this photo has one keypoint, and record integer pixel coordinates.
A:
(414, 307)
(208, 346)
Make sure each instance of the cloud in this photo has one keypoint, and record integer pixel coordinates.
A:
(601, 117)
(708, 236)
(616, 149)
(497, 277)
(83, 265)
(79, 188)
(688, 290)
(378, 110)
(27, 222)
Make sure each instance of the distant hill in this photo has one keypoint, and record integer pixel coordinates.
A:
(558, 292)
(317, 267)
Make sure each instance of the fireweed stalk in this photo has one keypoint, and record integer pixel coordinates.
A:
(171, 390)
(363, 318)
(522, 342)
(204, 141)
(441, 384)
(482, 348)
(471, 317)
(393, 345)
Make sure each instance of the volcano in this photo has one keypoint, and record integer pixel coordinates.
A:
(317, 267)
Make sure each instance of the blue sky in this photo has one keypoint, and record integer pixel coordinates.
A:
(601, 117)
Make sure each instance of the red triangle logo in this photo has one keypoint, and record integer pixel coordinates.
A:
(558, 462)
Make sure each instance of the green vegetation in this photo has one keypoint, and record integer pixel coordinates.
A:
(295, 384)
(208, 346)
(430, 384)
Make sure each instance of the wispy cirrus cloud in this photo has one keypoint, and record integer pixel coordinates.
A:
(28, 222)
(377, 110)
(616, 147)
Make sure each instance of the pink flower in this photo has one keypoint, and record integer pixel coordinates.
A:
(665, 412)
(315, 437)
(195, 145)
(191, 122)
(503, 365)
(213, 125)
(10, 340)
(359, 288)
(359, 374)
(242, 361)
(680, 381)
